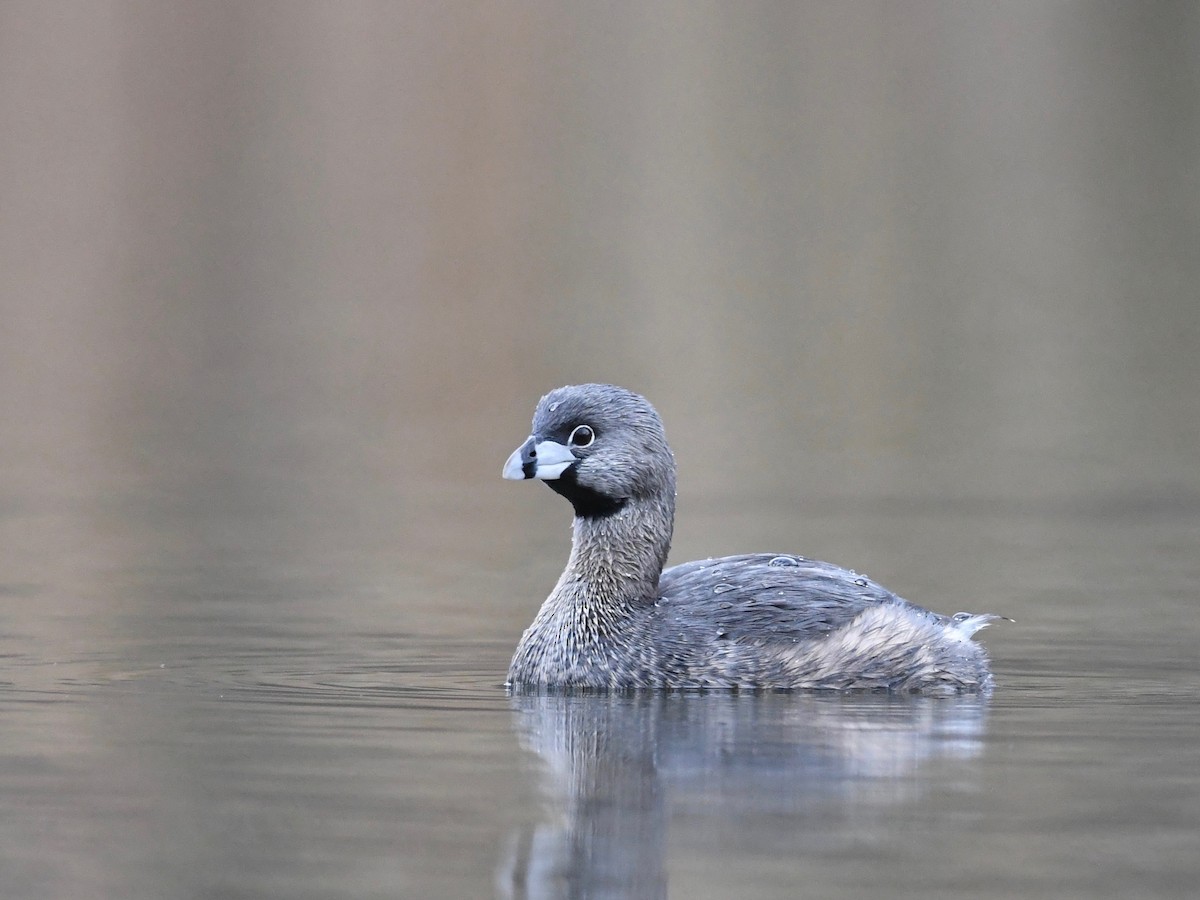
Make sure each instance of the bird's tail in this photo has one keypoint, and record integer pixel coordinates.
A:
(966, 624)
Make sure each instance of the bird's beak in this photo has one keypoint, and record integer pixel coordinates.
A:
(544, 460)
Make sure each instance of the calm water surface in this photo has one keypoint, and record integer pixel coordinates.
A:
(247, 728)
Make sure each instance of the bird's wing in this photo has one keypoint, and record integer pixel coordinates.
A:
(765, 597)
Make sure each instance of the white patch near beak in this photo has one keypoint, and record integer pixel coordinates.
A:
(552, 458)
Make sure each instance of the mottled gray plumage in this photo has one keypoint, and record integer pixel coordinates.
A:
(615, 620)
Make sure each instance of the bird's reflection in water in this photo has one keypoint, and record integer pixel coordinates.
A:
(610, 766)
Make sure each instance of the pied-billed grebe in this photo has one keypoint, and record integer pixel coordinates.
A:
(617, 621)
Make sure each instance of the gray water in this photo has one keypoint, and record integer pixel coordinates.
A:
(219, 696)
(913, 286)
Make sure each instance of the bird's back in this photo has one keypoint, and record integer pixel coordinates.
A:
(784, 621)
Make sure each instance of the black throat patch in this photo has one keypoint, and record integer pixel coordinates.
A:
(588, 504)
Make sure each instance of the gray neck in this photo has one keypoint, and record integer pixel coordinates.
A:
(610, 581)
(616, 559)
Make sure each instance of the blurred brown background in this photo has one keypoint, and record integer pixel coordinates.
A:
(337, 250)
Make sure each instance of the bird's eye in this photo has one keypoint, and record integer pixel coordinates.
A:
(582, 436)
